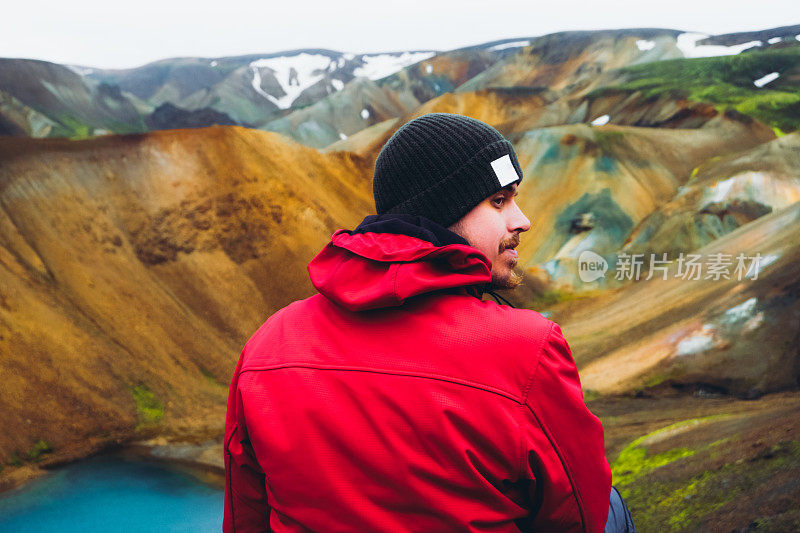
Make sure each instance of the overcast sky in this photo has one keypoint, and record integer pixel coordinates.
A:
(111, 34)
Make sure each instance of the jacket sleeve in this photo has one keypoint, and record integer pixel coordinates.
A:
(564, 452)
(246, 506)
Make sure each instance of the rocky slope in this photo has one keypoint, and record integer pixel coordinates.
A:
(733, 329)
(570, 60)
(134, 267)
(705, 463)
(44, 99)
(721, 195)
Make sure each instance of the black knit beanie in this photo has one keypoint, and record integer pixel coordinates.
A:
(440, 166)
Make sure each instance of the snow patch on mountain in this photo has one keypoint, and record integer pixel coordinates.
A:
(645, 45)
(295, 74)
(337, 84)
(379, 66)
(754, 186)
(760, 82)
(256, 83)
(759, 264)
(687, 44)
(83, 71)
(701, 341)
(775, 40)
(514, 44)
(740, 312)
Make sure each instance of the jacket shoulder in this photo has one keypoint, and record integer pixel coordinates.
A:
(276, 325)
(521, 325)
(503, 343)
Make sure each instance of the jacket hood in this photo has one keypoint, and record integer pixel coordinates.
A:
(389, 258)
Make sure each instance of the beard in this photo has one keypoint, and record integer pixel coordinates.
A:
(508, 279)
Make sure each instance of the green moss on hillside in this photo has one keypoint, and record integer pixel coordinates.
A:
(149, 408)
(41, 447)
(33, 455)
(726, 82)
(70, 127)
(663, 499)
(123, 128)
(634, 461)
(690, 504)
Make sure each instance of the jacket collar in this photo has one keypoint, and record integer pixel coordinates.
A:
(389, 258)
(411, 226)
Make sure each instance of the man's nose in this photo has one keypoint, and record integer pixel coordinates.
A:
(518, 221)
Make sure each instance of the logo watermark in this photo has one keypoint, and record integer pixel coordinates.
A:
(591, 266)
(633, 267)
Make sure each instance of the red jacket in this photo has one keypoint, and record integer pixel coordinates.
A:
(397, 400)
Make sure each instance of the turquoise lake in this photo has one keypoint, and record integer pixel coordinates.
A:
(113, 493)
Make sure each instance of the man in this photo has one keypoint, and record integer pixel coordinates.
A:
(397, 399)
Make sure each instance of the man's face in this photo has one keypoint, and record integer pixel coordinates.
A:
(493, 227)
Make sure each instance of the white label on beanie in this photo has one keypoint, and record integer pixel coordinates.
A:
(504, 170)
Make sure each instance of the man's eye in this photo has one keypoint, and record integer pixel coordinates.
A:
(499, 201)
